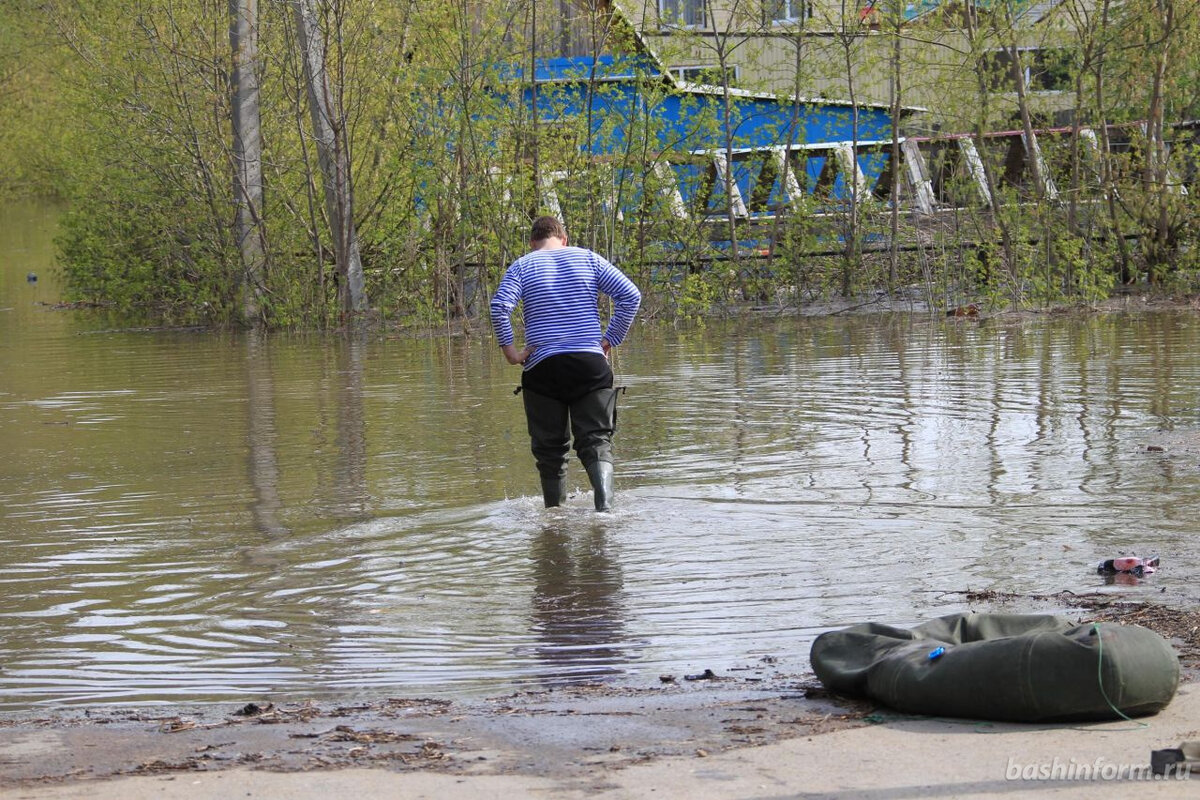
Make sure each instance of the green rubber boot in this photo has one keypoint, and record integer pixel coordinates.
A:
(600, 473)
(554, 491)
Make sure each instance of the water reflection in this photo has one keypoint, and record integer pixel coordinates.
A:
(262, 436)
(577, 616)
(351, 496)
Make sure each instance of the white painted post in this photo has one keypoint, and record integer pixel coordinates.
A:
(975, 167)
(1033, 150)
(1091, 152)
(611, 202)
(726, 177)
(549, 193)
(918, 176)
(791, 185)
(670, 189)
(852, 171)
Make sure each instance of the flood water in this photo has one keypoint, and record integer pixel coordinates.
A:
(191, 516)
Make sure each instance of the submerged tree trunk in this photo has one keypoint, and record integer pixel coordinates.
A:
(535, 150)
(978, 52)
(1108, 180)
(1022, 89)
(247, 158)
(1156, 174)
(793, 131)
(897, 22)
(333, 156)
(852, 252)
(722, 50)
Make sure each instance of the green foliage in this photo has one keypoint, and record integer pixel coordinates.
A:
(151, 257)
(1086, 275)
(33, 117)
(124, 109)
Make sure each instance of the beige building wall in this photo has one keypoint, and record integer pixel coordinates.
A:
(821, 57)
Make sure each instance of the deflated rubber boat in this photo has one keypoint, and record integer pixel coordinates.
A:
(1007, 667)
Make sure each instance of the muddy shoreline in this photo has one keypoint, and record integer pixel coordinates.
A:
(574, 732)
(566, 732)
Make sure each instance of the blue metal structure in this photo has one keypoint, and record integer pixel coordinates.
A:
(695, 128)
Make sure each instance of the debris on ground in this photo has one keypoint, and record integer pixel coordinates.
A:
(1180, 625)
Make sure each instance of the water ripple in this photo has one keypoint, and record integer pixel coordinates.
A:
(203, 516)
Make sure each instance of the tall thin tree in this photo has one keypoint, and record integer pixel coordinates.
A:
(247, 158)
(329, 132)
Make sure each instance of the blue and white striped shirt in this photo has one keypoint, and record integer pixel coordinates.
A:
(558, 289)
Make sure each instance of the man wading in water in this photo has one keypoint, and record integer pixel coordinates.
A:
(567, 382)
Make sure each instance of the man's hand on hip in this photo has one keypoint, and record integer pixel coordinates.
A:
(515, 356)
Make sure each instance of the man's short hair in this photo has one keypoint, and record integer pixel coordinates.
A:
(545, 227)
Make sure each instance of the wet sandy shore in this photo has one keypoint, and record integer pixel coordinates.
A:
(552, 750)
(564, 731)
(769, 735)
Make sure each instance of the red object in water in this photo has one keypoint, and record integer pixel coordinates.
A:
(1132, 565)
